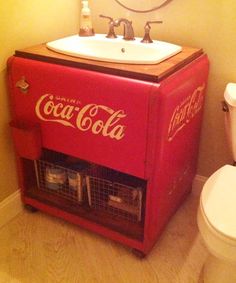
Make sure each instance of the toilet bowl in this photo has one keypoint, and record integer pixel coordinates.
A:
(217, 225)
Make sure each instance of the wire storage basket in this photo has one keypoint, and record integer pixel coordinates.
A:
(118, 194)
(61, 179)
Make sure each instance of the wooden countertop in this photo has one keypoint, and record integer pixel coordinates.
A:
(154, 73)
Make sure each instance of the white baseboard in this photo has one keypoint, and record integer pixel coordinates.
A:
(10, 207)
(198, 183)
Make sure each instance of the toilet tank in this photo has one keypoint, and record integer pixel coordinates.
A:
(230, 116)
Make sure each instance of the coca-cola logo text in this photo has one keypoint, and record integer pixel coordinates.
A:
(185, 111)
(96, 118)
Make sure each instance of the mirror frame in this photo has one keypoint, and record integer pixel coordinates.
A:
(164, 3)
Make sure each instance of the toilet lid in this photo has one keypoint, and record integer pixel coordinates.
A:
(218, 200)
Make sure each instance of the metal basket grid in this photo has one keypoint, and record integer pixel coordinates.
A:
(111, 191)
(61, 181)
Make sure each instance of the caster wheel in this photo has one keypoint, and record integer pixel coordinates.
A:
(30, 208)
(138, 253)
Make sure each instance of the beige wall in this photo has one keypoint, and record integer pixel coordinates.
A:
(207, 24)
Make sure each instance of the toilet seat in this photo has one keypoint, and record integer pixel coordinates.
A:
(218, 201)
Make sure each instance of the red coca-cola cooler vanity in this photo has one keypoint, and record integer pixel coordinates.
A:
(110, 147)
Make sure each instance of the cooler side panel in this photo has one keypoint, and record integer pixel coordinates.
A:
(178, 119)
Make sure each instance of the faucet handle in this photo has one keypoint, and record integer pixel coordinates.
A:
(111, 32)
(147, 27)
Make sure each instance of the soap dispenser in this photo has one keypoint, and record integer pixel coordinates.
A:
(86, 28)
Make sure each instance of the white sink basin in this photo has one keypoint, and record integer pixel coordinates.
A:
(116, 50)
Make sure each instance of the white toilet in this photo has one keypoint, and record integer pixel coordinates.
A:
(217, 209)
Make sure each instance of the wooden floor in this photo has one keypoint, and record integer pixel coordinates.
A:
(37, 248)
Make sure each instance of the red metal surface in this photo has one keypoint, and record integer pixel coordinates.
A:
(27, 139)
(148, 130)
(173, 150)
(84, 113)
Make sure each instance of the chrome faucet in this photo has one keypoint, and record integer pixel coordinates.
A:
(128, 29)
